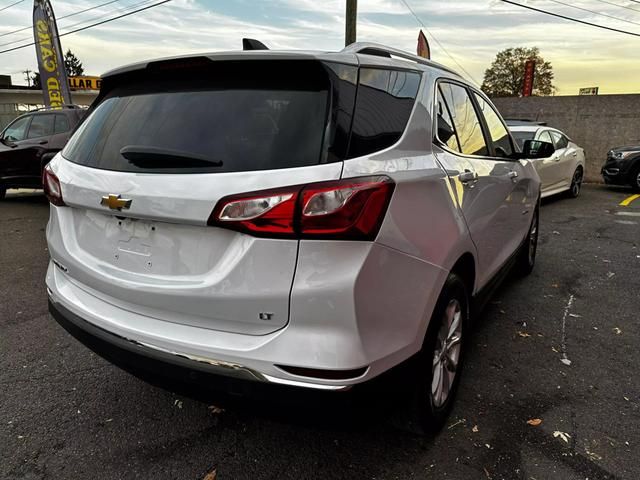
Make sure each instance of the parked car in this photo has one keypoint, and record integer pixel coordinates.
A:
(561, 172)
(622, 166)
(30, 141)
(296, 218)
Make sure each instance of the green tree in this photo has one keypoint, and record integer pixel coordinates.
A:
(73, 65)
(505, 76)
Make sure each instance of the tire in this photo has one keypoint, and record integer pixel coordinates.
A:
(576, 183)
(635, 179)
(438, 373)
(526, 256)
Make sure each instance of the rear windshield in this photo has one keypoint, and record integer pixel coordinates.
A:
(520, 137)
(238, 117)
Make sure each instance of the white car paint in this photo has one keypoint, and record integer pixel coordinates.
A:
(556, 172)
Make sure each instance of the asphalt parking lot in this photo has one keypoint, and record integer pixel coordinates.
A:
(560, 346)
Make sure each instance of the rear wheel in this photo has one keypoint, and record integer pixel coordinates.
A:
(526, 259)
(440, 361)
(635, 179)
(576, 183)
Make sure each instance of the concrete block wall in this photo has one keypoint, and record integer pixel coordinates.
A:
(595, 122)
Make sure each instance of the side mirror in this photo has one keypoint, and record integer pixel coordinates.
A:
(533, 149)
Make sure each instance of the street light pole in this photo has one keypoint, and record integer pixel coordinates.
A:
(350, 24)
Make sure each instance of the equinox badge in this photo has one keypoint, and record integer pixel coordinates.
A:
(114, 202)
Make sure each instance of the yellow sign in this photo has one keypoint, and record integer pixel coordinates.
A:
(84, 83)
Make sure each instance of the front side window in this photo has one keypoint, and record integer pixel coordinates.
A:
(559, 140)
(497, 131)
(17, 130)
(545, 137)
(465, 120)
(41, 126)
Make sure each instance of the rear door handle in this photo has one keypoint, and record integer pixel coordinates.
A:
(43, 142)
(512, 174)
(468, 176)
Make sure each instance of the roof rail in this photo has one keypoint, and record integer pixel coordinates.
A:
(68, 105)
(369, 48)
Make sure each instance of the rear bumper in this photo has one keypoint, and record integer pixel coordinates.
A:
(344, 337)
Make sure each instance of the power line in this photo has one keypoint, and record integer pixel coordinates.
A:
(594, 13)
(99, 17)
(60, 18)
(9, 6)
(618, 5)
(584, 22)
(437, 41)
(91, 26)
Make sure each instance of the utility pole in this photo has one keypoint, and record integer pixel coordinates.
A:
(350, 26)
(27, 76)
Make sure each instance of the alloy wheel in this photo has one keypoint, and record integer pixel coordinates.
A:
(533, 239)
(446, 356)
(576, 183)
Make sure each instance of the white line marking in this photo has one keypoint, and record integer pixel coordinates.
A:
(563, 346)
(628, 214)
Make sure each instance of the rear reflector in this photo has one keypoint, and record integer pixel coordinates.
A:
(348, 209)
(324, 374)
(52, 188)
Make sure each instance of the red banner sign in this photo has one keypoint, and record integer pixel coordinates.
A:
(529, 74)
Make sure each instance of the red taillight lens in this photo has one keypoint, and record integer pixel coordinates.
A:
(52, 188)
(349, 209)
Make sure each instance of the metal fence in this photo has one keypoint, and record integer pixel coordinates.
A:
(9, 111)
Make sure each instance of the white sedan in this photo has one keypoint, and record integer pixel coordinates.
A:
(561, 172)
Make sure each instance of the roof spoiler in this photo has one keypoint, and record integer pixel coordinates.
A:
(252, 44)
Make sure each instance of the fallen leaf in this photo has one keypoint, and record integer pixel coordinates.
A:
(562, 435)
(566, 361)
(554, 349)
(212, 475)
(610, 274)
(462, 420)
(486, 472)
(575, 315)
(534, 422)
(555, 285)
(555, 232)
(592, 455)
(177, 403)
(626, 398)
(215, 410)
(617, 331)
(524, 334)
(475, 429)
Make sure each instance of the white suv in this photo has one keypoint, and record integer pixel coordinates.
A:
(299, 218)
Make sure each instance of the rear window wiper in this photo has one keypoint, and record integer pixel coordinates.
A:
(143, 156)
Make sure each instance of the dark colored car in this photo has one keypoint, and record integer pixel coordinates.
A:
(623, 166)
(30, 141)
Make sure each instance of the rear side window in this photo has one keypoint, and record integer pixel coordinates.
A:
(61, 124)
(465, 119)
(41, 126)
(545, 137)
(384, 103)
(497, 131)
(240, 116)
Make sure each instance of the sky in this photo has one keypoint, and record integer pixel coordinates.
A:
(469, 32)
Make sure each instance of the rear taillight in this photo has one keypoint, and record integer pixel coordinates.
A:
(348, 209)
(52, 188)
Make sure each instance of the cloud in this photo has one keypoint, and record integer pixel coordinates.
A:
(472, 32)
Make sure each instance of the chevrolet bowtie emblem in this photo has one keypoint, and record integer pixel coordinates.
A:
(114, 202)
